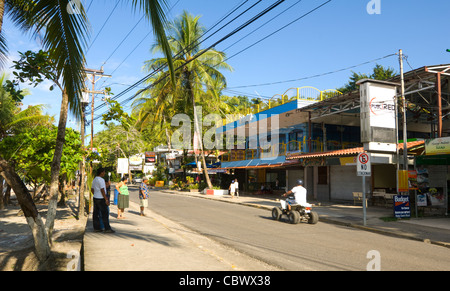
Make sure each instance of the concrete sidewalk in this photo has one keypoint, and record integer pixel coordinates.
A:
(154, 243)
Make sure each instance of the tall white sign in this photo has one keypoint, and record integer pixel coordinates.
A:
(378, 120)
(122, 166)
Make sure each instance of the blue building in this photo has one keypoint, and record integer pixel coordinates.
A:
(317, 137)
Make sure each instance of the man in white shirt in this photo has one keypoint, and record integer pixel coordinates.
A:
(232, 189)
(101, 203)
(299, 196)
(236, 186)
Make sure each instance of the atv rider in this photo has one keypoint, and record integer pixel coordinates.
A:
(299, 196)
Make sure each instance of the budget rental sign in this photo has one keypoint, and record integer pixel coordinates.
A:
(402, 206)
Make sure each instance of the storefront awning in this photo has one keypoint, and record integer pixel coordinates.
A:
(259, 164)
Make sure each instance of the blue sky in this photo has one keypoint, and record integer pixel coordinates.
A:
(338, 35)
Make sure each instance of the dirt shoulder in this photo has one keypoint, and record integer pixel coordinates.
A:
(16, 240)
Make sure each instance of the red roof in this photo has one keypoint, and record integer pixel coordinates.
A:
(346, 152)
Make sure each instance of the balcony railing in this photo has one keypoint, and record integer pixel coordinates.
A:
(306, 93)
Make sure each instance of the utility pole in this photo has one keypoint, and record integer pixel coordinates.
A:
(81, 201)
(91, 75)
(405, 133)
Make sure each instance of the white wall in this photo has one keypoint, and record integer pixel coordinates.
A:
(344, 182)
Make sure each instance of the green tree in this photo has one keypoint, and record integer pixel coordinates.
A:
(33, 148)
(379, 73)
(63, 33)
(35, 68)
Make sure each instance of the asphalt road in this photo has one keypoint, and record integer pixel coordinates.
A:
(322, 247)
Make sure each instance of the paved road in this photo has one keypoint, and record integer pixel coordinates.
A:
(295, 247)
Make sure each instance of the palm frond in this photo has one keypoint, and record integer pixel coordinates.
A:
(155, 12)
(65, 37)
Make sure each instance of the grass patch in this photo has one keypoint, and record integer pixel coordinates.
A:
(389, 219)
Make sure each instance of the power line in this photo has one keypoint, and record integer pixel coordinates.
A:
(89, 7)
(273, 6)
(103, 26)
(313, 76)
(278, 30)
(183, 51)
(131, 31)
(233, 91)
(238, 29)
(261, 26)
(123, 40)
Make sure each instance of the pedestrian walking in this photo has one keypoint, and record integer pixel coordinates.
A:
(232, 189)
(236, 187)
(101, 203)
(123, 201)
(143, 195)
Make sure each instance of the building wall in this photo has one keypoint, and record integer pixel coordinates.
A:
(322, 182)
(292, 176)
(344, 181)
(384, 176)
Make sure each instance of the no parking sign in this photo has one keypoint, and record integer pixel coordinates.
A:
(364, 166)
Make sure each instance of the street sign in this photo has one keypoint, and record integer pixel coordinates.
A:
(363, 165)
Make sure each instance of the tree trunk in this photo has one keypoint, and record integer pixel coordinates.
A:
(2, 13)
(29, 209)
(2, 204)
(199, 134)
(196, 128)
(56, 165)
(37, 194)
(7, 197)
(62, 190)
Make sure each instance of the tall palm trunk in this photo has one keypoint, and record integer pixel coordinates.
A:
(2, 12)
(56, 165)
(196, 128)
(205, 168)
(29, 209)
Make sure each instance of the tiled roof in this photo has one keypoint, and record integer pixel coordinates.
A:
(345, 152)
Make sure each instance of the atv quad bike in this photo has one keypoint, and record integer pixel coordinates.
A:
(298, 213)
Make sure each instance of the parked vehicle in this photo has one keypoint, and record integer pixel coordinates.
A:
(137, 180)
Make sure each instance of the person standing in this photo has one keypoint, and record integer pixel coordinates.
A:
(101, 203)
(143, 195)
(108, 196)
(123, 201)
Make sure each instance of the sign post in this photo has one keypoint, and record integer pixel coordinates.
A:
(364, 169)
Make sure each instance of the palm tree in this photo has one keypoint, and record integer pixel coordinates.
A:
(196, 69)
(154, 108)
(64, 35)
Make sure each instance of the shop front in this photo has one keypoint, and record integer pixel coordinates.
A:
(332, 175)
(432, 178)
